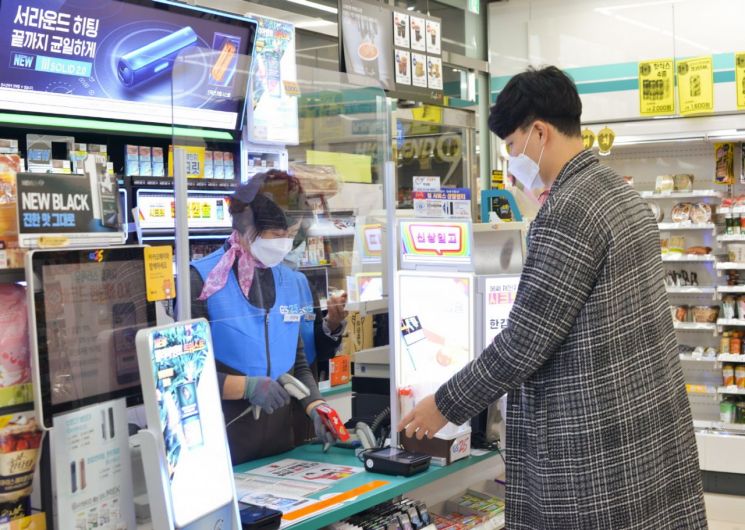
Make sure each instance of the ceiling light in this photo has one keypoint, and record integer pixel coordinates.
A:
(315, 5)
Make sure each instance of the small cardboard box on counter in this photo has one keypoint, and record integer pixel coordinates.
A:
(340, 370)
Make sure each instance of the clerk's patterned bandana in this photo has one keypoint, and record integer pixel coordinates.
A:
(218, 276)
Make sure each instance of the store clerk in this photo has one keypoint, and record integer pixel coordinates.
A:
(258, 309)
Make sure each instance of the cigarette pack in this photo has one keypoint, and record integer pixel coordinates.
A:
(131, 160)
(208, 165)
(146, 160)
(159, 169)
(218, 161)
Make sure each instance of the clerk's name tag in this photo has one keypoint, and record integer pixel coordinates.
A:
(292, 317)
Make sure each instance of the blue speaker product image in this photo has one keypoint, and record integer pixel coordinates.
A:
(149, 61)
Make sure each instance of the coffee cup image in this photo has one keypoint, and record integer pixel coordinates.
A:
(154, 59)
(433, 36)
(419, 69)
(368, 52)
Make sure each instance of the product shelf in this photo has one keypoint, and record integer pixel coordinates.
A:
(695, 326)
(691, 357)
(731, 238)
(719, 425)
(684, 258)
(730, 266)
(731, 391)
(691, 290)
(369, 308)
(695, 194)
(731, 358)
(731, 289)
(731, 322)
(701, 389)
(724, 210)
(664, 227)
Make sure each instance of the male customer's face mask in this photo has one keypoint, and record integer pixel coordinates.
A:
(525, 169)
(271, 252)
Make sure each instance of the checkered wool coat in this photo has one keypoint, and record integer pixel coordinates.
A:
(599, 430)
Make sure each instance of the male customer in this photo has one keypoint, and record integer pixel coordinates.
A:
(599, 430)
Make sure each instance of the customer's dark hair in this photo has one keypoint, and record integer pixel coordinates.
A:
(547, 94)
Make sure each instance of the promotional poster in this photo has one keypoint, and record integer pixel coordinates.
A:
(91, 470)
(275, 105)
(68, 204)
(436, 326)
(76, 53)
(190, 418)
(368, 41)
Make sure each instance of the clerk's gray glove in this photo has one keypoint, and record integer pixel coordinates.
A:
(266, 394)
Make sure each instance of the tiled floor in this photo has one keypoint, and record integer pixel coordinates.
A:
(725, 512)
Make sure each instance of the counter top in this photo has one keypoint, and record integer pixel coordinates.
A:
(395, 485)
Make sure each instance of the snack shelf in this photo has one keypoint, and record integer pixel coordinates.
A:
(664, 227)
(731, 289)
(696, 194)
(730, 266)
(731, 322)
(719, 425)
(731, 390)
(695, 326)
(683, 258)
(691, 290)
(731, 238)
(693, 357)
(731, 358)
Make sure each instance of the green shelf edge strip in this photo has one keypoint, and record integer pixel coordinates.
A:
(111, 126)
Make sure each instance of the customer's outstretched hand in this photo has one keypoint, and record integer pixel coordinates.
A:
(425, 420)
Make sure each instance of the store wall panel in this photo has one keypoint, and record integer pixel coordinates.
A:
(601, 43)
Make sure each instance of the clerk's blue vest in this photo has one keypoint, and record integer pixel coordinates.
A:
(238, 328)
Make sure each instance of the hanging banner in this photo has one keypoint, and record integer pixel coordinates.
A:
(656, 83)
(92, 471)
(695, 85)
(740, 79)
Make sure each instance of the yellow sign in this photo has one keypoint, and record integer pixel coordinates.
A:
(291, 88)
(159, 280)
(53, 241)
(695, 85)
(497, 179)
(740, 79)
(351, 168)
(194, 161)
(428, 113)
(605, 141)
(656, 87)
(588, 138)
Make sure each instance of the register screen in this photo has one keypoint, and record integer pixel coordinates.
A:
(93, 311)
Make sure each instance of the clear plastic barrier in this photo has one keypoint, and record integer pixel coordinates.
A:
(298, 276)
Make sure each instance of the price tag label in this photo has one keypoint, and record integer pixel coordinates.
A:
(695, 85)
(656, 84)
(291, 88)
(53, 242)
(740, 79)
(159, 280)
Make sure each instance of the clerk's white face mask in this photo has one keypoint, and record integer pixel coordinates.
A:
(271, 252)
(525, 169)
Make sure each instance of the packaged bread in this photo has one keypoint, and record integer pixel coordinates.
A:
(701, 213)
(724, 169)
(316, 179)
(698, 251)
(683, 182)
(659, 215)
(664, 184)
(705, 314)
(681, 212)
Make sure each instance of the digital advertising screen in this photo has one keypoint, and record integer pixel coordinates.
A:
(116, 59)
(182, 401)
